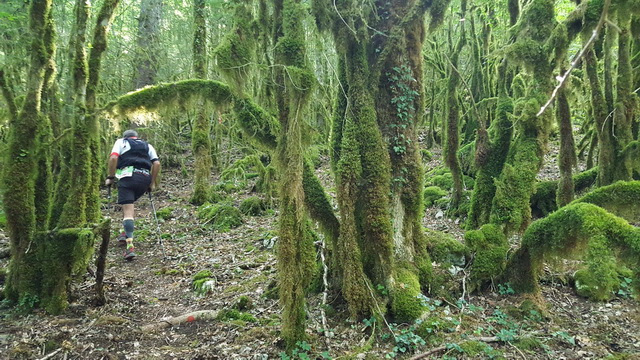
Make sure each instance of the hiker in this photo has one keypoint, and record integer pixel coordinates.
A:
(135, 164)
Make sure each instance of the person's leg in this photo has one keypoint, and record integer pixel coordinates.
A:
(128, 222)
(126, 197)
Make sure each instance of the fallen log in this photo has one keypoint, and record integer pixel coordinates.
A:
(174, 321)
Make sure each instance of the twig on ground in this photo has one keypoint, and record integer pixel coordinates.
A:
(51, 354)
(190, 317)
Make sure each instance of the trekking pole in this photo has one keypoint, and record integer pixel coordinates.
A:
(164, 255)
(109, 200)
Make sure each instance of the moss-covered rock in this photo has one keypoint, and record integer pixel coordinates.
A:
(431, 194)
(222, 217)
(253, 205)
(446, 250)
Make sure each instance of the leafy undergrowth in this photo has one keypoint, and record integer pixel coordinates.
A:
(234, 273)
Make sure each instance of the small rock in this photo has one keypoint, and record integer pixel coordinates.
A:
(439, 214)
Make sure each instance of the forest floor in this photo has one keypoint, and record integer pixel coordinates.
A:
(153, 288)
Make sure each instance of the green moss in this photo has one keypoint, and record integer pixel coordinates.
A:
(236, 51)
(599, 280)
(444, 181)
(446, 250)
(318, 204)
(431, 194)
(253, 205)
(543, 200)
(406, 306)
(620, 198)
(203, 282)
(222, 217)
(257, 123)
(515, 186)
(243, 303)
(490, 247)
(568, 230)
(528, 344)
(234, 314)
(164, 213)
(162, 96)
(64, 253)
(466, 156)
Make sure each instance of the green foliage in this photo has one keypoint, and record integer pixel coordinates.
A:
(302, 351)
(404, 97)
(253, 205)
(406, 341)
(222, 217)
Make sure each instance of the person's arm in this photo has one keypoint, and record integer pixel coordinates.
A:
(111, 169)
(155, 170)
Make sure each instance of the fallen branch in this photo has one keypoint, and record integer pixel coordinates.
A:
(444, 347)
(186, 318)
(594, 35)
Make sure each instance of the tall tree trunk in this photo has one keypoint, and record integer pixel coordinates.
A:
(378, 171)
(539, 35)
(19, 173)
(567, 157)
(148, 42)
(296, 253)
(452, 142)
(200, 136)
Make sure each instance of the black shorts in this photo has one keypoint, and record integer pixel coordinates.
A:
(132, 188)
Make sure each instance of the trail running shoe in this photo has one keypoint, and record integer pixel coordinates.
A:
(122, 239)
(129, 253)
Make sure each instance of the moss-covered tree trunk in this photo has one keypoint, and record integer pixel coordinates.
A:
(538, 36)
(375, 155)
(296, 253)
(567, 157)
(82, 203)
(452, 125)
(21, 165)
(44, 261)
(200, 136)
